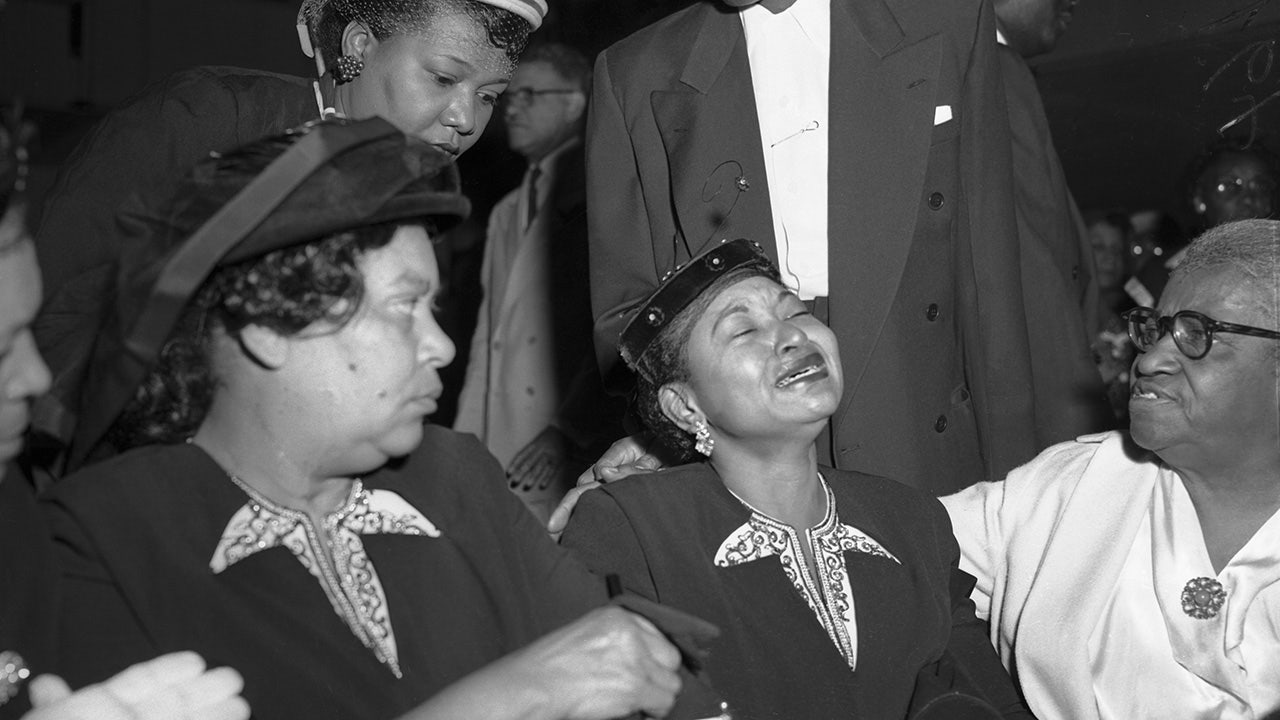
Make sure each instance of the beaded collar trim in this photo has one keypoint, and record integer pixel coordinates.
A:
(344, 570)
(828, 594)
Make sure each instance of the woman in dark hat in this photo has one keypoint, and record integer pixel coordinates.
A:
(838, 594)
(279, 505)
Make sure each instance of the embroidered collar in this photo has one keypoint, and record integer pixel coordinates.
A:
(345, 572)
(829, 595)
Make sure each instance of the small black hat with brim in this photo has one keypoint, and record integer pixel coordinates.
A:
(335, 175)
(682, 286)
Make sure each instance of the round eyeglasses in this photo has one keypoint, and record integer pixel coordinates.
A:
(1192, 331)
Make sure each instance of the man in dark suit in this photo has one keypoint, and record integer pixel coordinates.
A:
(532, 392)
(905, 241)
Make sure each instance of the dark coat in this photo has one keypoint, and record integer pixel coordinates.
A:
(926, 298)
(137, 533)
(661, 533)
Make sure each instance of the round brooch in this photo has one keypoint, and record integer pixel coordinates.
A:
(1203, 597)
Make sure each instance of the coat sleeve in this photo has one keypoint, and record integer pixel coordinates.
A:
(619, 236)
(99, 634)
(975, 520)
(541, 584)
(997, 348)
(601, 534)
(977, 668)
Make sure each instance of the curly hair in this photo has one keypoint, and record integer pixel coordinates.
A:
(287, 290)
(386, 18)
(667, 361)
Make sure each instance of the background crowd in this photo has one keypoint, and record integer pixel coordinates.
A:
(798, 267)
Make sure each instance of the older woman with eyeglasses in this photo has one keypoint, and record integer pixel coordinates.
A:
(1135, 576)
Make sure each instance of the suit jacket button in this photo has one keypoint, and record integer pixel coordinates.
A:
(931, 312)
(936, 200)
(941, 423)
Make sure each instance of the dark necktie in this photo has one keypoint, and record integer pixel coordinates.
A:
(532, 204)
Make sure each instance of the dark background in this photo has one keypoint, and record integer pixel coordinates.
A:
(1133, 91)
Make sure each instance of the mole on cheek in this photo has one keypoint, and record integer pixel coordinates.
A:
(382, 394)
(352, 367)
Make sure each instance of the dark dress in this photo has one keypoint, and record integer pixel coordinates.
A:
(681, 538)
(28, 579)
(140, 535)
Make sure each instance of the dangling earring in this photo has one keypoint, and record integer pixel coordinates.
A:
(347, 68)
(702, 441)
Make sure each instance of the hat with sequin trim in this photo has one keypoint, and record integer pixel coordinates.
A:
(682, 286)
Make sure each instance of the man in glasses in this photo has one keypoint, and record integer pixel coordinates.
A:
(532, 392)
(1154, 555)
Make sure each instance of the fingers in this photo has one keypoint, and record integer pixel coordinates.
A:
(210, 696)
(560, 517)
(171, 687)
(47, 689)
(139, 681)
(660, 665)
(656, 644)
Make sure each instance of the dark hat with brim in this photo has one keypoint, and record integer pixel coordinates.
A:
(320, 179)
(680, 287)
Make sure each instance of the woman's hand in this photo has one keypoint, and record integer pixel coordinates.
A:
(607, 664)
(627, 456)
(170, 687)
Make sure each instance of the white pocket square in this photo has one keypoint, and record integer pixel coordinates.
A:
(941, 114)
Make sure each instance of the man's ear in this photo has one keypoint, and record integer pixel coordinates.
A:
(680, 405)
(575, 106)
(356, 40)
(264, 346)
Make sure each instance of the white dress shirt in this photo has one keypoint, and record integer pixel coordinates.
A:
(790, 62)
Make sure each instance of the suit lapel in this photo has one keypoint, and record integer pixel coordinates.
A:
(711, 137)
(881, 125)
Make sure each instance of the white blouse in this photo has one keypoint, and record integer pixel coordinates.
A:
(1151, 659)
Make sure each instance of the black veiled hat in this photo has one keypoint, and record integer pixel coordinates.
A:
(681, 286)
(326, 177)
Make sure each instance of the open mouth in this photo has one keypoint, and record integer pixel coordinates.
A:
(1145, 392)
(809, 367)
